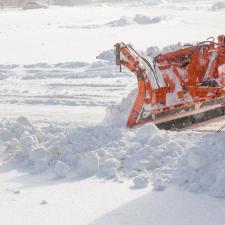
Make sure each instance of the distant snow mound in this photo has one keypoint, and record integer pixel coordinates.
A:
(123, 21)
(142, 19)
(107, 55)
(138, 19)
(34, 5)
(154, 50)
(218, 6)
(152, 2)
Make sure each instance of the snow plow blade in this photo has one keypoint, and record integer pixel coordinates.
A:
(176, 121)
(179, 88)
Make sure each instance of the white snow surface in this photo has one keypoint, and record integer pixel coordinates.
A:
(66, 156)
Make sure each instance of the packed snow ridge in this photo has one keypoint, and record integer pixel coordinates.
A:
(193, 161)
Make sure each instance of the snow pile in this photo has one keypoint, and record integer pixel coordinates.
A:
(218, 6)
(193, 161)
(202, 169)
(143, 154)
(142, 19)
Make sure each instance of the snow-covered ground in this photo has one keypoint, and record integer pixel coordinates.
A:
(66, 154)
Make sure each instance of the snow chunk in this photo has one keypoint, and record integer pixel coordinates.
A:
(28, 142)
(142, 165)
(202, 168)
(110, 167)
(89, 164)
(61, 169)
(140, 181)
(38, 154)
(40, 166)
(23, 120)
(159, 184)
(144, 133)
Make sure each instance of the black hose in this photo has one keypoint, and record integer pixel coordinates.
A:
(148, 64)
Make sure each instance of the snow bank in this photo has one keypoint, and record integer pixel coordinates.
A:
(105, 151)
(144, 154)
(202, 169)
(193, 161)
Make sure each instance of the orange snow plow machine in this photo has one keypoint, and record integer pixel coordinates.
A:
(179, 88)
